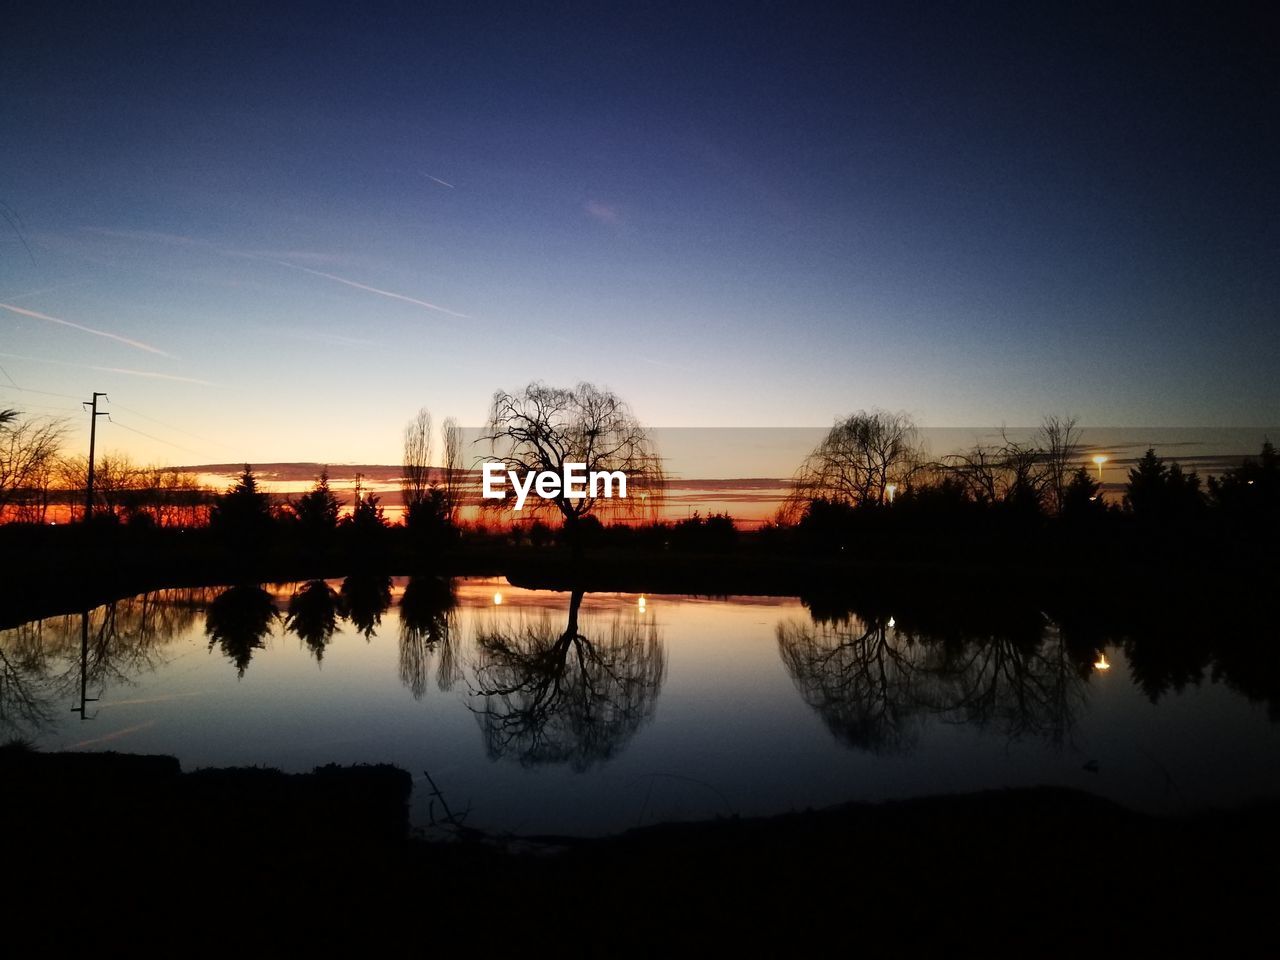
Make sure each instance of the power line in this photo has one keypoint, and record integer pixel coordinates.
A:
(125, 426)
(168, 426)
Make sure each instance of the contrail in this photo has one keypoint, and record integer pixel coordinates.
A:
(90, 366)
(361, 286)
(439, 181)
(115, 735)
(97, 333)
(244, 254)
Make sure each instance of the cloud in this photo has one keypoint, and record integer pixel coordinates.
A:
(136, 344)
(178, 240)
(602, 212)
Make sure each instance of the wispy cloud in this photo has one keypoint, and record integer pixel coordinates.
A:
(442, 183)
(124, 370)
(382, 293)
(602, 212)
(179, 240)
(136, 344)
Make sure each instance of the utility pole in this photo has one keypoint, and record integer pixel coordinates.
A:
(93, 433)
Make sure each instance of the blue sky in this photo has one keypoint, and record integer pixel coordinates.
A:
(310, 223)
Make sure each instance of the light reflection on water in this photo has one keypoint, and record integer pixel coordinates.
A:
(549, 712)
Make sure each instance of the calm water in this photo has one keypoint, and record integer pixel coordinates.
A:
(549, 713)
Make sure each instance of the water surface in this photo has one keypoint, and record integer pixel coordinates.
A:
(547, 712)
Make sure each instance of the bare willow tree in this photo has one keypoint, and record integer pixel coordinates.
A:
(431, 495)
(28, 449)
(1060, 446)
(452, 469)
(415, 479)
(862, 460)
(544, 428)
(1028, 474)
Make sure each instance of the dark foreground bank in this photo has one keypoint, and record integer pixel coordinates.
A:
(134, 852)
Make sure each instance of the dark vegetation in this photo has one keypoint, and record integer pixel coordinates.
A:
(1170, 528)
(326, 857)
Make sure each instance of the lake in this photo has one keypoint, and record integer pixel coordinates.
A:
(543, 712)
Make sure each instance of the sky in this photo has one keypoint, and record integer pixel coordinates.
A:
(274, 235)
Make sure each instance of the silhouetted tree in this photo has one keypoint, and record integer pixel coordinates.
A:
(1060, 450)
(415, 478)
(543, 428)
(1160, 493)
(366, 526)
(239, 620)
(1082, 496)
(1251, 490)
(430, 496)
(28, 450)
(244, 511)
(317, 510)
(857, 462)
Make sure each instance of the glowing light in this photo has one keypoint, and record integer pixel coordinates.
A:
(640, 604)
(891, 623)
(1099, 460)
(497, 599)
(1101, 663)
(891, 489)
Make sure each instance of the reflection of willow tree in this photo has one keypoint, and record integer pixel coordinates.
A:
(42, 661)
(858, 677)
(427, 629)
(365, 598)
(313, 615)
(239, 620)
(557, 696)
(1023, 683)
(875, 685)
(27, 689)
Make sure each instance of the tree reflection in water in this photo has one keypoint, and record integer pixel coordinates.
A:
(365, 598)
(313, 615)
(876, 681)
(556, 695)
(42, 662)
(239, 620)
(428, 629)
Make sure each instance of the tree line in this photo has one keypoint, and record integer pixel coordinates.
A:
(867, 481)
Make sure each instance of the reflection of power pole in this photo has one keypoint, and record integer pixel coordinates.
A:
(84, 667)
(93, 434)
